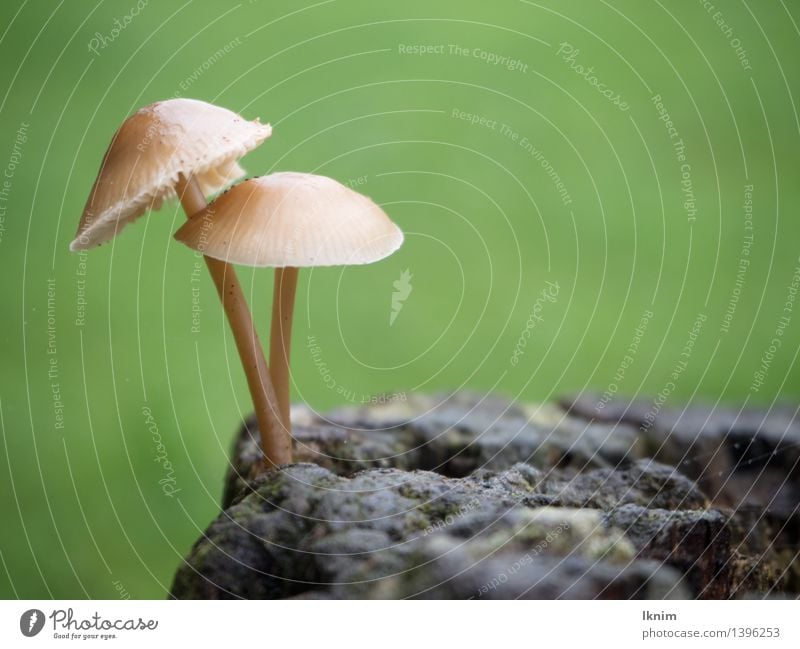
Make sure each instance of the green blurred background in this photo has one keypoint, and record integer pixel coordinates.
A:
(83, 513)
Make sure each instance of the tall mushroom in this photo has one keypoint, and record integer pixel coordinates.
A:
(287, 221)
(187, 148)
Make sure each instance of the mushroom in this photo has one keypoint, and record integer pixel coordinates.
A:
(290, 220)
(187, 148)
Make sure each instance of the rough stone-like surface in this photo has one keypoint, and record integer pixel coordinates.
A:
(477, 497)
(453, 436)
(392, 533)
(697, 542)
(748, 463)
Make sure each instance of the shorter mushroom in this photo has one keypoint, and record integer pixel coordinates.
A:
(287, 221)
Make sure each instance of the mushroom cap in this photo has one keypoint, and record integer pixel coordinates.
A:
(292, 219)
(151, 149)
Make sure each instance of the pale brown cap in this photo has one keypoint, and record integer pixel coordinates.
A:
(292, 219)
(151, 149)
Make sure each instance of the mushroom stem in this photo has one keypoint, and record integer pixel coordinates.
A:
(281, 337)
(275, 439)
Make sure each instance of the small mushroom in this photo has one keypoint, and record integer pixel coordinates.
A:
(187, 148)
(287, 221)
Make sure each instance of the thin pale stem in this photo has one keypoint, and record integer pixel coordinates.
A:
(275, 439)
(280, 342)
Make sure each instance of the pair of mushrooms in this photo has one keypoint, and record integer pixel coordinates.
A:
(287, 220)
